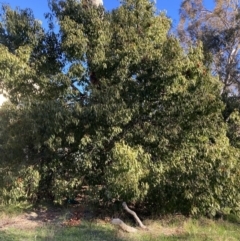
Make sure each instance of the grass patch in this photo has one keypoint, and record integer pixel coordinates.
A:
(85, 232)
(169, 228)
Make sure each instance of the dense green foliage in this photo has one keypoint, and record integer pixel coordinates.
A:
(147, 124)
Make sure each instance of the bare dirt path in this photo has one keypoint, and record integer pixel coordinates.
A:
(23, 221)
(36, 218)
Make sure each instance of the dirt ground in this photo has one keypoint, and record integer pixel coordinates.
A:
(23, 221)
(37, 218)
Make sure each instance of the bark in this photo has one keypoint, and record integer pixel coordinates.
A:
(134, 215)
(123, 226)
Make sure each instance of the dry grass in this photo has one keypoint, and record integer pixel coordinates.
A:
(48, 224)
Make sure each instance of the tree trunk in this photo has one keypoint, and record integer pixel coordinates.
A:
(134, 215)
(124, 226)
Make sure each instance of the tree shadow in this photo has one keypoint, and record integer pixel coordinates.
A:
(93, 232)
(17, 235)
(4, 236)
(78, 233)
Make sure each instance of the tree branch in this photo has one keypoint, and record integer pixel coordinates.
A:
(134, 215)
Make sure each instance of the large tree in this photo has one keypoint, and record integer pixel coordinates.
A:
(145, 125)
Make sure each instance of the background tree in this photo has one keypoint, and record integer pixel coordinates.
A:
(218, 29)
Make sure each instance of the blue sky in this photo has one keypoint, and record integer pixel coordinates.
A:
(40, 7)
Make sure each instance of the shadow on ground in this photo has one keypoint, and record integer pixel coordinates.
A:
(84, 232)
